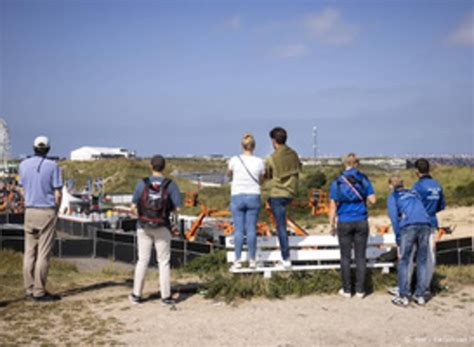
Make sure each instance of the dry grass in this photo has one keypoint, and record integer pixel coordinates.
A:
(77, 319)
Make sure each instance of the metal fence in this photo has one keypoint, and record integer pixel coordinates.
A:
(103, 243)
(94, 239)
(455, 252)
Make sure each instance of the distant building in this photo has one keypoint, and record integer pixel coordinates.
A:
(385, 163)
(96, 153)
(204, 179)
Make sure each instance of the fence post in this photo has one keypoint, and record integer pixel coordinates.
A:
(185, 250)
(94, 241)
(113, 245)
(60, 246)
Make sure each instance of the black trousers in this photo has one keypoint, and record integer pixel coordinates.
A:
(353, 234)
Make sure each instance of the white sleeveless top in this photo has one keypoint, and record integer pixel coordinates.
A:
(242, 182)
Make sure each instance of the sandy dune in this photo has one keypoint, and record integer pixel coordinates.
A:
(308, 321)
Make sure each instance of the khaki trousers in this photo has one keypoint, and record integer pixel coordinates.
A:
(40, 233)
(161, 239)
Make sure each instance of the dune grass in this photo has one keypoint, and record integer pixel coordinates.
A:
(121, 175)
(219, 283)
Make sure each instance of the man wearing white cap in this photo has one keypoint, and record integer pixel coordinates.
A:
(40, 179)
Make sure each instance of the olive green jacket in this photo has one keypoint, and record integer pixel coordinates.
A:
(283, 168)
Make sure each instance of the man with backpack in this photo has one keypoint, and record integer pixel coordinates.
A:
(349, 194)
(155, 197)
(411, 225)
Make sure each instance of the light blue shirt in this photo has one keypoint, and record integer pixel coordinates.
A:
(40, 177)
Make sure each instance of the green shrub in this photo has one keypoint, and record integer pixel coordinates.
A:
(219, 283)
(464, 194)
(316, 180)
(206, 265)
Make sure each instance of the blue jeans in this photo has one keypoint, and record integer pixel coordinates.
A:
(411, 236)
(245, 209)
(278, 206)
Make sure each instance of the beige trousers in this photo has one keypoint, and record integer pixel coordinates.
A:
(161, 239)
(40, 233)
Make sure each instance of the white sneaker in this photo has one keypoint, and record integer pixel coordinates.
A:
(252, 264)
(419, 300)
(360, 295)
(400, 301)
(393, 291)
(237, 265)
(342, 293)
(286, 264)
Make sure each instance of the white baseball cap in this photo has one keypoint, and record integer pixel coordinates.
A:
(41, 141)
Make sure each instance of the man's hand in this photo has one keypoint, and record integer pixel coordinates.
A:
(174, 231)
(372, 199)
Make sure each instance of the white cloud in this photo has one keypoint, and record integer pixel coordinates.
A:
(233, 23)
(464, 33)
(328, 27)
(290, 51)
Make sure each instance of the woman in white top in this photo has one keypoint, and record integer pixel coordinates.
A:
(247, 173)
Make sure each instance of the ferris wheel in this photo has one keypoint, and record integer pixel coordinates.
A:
(4, 143)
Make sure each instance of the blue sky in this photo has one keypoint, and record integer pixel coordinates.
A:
(190, 77)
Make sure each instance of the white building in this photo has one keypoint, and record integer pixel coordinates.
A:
(95, 153)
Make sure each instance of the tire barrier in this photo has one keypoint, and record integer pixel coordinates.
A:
(116, 245)
(12, 218)
(94, 239)
(455, 252)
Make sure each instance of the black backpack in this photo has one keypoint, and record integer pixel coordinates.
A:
(155, 204)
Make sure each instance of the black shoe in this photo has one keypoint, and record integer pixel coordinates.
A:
(135, 299)
(168, 302)
(47, 297)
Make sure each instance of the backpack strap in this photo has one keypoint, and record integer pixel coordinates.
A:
(147, 181)
(248, 171)
(164, 187)
(165, 183)
(356, 192)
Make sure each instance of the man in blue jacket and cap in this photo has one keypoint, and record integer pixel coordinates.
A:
(412, 227)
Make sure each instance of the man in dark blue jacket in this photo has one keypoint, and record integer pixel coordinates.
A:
(411, 225)
(432, 197)
(349, 194)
